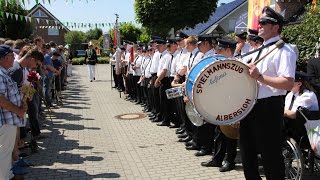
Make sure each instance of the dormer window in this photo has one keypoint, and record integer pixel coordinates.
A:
(39, 13)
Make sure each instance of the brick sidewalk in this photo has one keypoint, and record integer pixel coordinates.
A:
(87, 142)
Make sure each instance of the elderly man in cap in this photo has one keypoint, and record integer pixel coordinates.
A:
(261, 130)
(91, 60)
(224, 146)
(11, 112)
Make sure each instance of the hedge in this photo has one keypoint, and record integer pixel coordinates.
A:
(80, 60)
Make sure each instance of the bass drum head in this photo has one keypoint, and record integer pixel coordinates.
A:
(192, 115)
(224, 93)
(195, 70)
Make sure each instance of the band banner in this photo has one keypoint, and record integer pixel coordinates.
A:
(254, 12)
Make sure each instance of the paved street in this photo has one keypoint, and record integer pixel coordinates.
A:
(86, 141)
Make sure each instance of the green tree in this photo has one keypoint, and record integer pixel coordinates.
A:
(161, 15)
(128, 31)
(305, 35)
(93, 34)
(75, 37)
(10, 27)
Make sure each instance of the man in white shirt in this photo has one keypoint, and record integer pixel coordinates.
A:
(136, 66)
(261, 130)
(242, 46)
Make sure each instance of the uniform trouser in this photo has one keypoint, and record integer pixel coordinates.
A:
(130, 85)
(155, 96)
(223, 145)
(137, 88)
(115, 76)
(145, 91)
(204, 136)
(150, 99)
(7, 141)
(57, 82)
(261, 132)
(185, 121)
(120, 83)
(33, 112)
(164, 101)
(91, 71)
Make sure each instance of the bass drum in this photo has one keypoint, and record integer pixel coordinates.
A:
(193, 115)
(222, 92)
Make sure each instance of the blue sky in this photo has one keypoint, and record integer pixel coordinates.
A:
(95, 11)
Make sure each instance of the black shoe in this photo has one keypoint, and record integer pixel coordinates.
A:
(163, 124)
(114, 87)
(180, 131)
(174, 126)
(202, 152)
(156, 120)
(94, 78)
(184, 135)
(211, 163)
(190, 143)
(188, 138)
(192, 147)
(227, 167)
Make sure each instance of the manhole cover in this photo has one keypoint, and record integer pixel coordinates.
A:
(131, 116)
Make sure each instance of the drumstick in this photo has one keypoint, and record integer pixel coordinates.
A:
(278, 45)
(176, 85)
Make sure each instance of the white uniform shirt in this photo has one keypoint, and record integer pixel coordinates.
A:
(205, 55)
(173, 69)
(246, 48)
(146, 72)
(279, 63)
(195, 56)
(183, 57)
(307, 99)
(127, 59)
(137, 62)
(155, 62)
(165, 63)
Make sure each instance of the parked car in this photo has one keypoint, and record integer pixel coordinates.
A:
(80, 53)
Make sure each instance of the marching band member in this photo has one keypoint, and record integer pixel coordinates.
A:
(204, 134)
(242, 45)
(163, 82)
(155, 90)
(137, 73)
(261, 130)
(224, 146)
(179, 78)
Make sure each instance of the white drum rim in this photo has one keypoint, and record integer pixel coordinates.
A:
(222, 122)
(196, 113)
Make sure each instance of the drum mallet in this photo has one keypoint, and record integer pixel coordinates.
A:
(278, 45)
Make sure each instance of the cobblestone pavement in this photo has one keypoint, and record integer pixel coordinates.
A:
(86, 141)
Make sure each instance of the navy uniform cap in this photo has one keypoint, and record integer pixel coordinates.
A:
(205, 38)
(227, 43)
(242, 35)
(160, 41)
(302, 76)
(122, 48)
(253, 32)
(181, 35)
(171, 41)
(271, 16)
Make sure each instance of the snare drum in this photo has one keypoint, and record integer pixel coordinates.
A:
(222, 92)
(175, 92)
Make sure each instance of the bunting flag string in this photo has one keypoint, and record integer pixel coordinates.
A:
(42, 22)
(36, 1)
